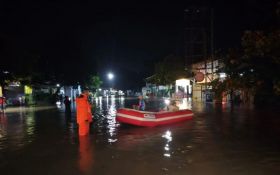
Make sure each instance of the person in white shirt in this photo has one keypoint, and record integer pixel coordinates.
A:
(172, 107)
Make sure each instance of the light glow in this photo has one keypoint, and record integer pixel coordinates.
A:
(182, 82)
(167, 101)
(168, 136)
(223, 75)
(110, 76)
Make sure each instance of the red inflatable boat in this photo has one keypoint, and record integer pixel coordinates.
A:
(145, 118)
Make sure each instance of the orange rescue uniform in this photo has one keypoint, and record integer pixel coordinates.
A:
(84, 116)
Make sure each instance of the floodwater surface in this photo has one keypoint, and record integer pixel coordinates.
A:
(219, 140)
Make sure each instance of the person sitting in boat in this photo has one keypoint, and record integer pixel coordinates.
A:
(172, 107)
(142, 104)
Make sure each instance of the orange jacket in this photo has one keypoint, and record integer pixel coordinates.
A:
(83, 110)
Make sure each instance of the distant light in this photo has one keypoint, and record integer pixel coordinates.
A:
(182, 82)
(241, 74)
(14, 84)
(5, 72)
(110, 76)
(57, 85)
(252, 70)
(58, 103)
(100, 89)
(223, 75)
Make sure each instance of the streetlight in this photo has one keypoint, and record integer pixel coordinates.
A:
(110, 76)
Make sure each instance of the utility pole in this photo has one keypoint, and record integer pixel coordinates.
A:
(212, 41)
(199, 41)
(205, 57)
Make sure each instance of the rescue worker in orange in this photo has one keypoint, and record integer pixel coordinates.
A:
(84, 115)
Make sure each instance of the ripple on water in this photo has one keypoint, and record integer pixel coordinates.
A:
(17, 128)
(194, 146)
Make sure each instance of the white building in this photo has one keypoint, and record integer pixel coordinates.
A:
(183, 88)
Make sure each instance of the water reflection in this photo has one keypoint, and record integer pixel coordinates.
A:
(107, 101)
(105, 116)
(3, 129)
(167, 135)
(30, 125)
(17, 130)
(218, 140)
(100, 103)
(86, 154)
(121, 102)
(111, 119)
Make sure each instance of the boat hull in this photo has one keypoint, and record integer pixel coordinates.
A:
(151, 119)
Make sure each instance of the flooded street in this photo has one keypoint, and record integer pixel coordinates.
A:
(219, 140)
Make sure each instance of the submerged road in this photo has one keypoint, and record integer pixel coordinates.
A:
(219, 140)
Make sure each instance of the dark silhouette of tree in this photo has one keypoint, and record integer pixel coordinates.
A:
(94, 83)
(262, 54)
(169, 70)
(256, 70)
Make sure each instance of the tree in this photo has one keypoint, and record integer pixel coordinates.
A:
(94, 83)
(262, 53)
(169, 70)
(237, 75)
(256, 71)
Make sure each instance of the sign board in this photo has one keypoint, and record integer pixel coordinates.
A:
(199, 76)
(27, 90)
(149, 116)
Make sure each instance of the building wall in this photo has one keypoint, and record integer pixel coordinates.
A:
(197, 92)
(208, 68)
(202, 90)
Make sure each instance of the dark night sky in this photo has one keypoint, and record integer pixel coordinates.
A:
(76, 39)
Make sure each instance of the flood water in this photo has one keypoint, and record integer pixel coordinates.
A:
(219, 140)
